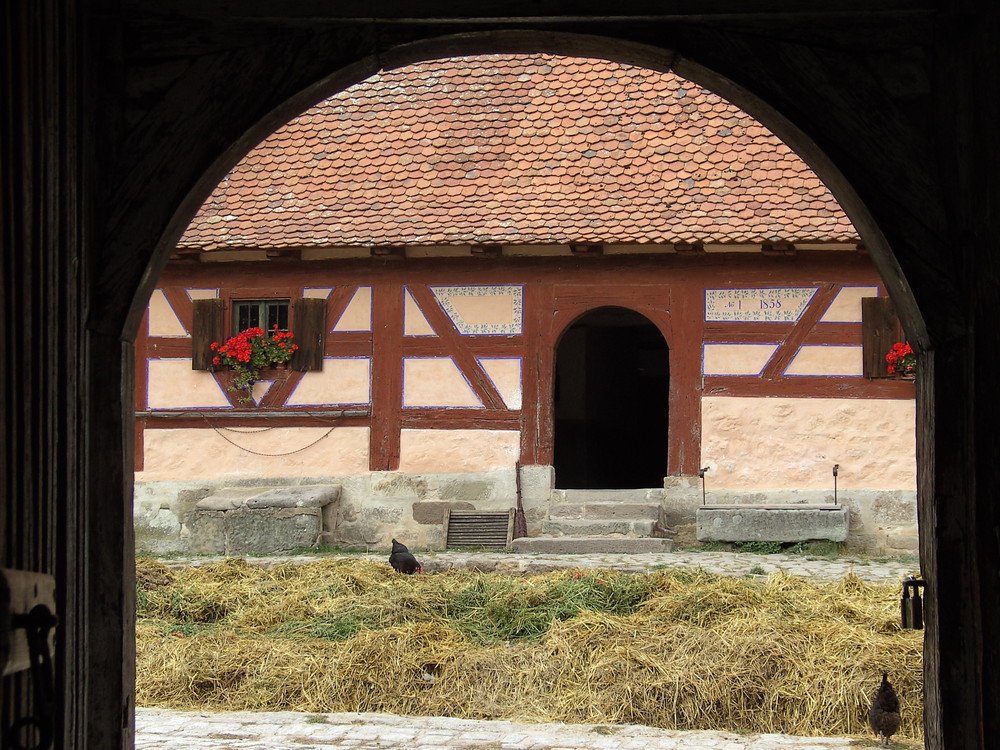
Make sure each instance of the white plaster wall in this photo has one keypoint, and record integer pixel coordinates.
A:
(414, 322)
(172, 384)
(163, 321)
(736, 359)
(845, 361)
(505, 372)
(436, 381)
(453, 451)
(778, 443)
(357, 315)
(200, 453)
(342, 380)
(846, 306)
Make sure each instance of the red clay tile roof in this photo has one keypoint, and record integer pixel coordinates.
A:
(519, 150)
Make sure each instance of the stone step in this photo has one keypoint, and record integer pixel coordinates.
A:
(640, 495)
(629, 511)
(585, 545)
(597, 527)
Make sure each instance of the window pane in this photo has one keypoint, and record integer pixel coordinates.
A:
(277, 315)
(260, 314)
(247, 315)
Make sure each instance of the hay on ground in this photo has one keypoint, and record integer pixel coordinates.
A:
(676, 649)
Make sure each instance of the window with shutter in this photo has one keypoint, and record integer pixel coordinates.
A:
(880, 330)
(207, 327)
(309, 321)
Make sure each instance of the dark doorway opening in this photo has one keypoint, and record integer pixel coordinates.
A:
(611, 402)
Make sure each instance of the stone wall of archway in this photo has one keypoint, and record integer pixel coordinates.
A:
(119, 118)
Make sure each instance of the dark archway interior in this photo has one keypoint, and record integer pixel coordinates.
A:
(611, 402)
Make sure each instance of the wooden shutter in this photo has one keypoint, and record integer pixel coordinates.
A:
(309, 326)
(879, 331)
(206, 328)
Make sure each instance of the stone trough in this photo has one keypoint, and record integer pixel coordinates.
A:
(772, 523)
(262, 520)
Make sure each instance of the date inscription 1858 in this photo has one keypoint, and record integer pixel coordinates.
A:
(767, 305)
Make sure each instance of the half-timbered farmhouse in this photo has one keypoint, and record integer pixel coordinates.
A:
(594, 289)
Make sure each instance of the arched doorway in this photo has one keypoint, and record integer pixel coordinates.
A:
(611, 400)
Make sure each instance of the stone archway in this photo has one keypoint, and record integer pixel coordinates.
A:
(568, 41)
(892, 95)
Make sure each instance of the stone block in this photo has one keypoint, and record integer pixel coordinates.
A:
(230, 498)
(295, 497)
(583, 527)
(206, 532)
(468, 490)
(634, 511)
(261, 520)
(279, 530)
(787, 524)
(537, 482)
(903, 542)
(430, 512)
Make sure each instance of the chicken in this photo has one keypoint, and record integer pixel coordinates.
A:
(884, 713)
(402, 561)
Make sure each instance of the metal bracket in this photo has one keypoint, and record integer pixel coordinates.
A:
(911, 607)
(27, 640)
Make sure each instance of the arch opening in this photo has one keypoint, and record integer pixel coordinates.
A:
(611, 402)
(644, 463)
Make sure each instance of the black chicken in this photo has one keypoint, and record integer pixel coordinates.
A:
(402, 561)
(884, 713)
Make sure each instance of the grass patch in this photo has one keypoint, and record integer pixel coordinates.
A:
(818, 549)
(758, 548)
(708, 547)
(681, 648)
(496, 608)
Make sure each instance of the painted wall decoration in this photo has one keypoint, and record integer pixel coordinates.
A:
(490, 310)
(769, 305)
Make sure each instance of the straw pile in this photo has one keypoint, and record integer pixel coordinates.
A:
(677, 649)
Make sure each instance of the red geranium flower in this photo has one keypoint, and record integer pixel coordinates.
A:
(249, 351)
(901, 359)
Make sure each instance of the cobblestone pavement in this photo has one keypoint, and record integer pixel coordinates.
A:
(725, 563)
(159, 729)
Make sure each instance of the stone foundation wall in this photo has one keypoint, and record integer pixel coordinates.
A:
(371, 509)
(880, 521)
(374, 508)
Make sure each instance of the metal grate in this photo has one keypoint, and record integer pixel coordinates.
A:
(473, 528)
